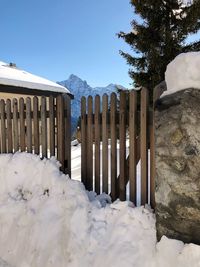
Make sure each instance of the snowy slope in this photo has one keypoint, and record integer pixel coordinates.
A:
(80, 88)
(46, 219)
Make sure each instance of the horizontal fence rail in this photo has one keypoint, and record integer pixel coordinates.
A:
(117, 146)
(38, 125)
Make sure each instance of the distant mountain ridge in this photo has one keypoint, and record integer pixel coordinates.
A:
(80, 88)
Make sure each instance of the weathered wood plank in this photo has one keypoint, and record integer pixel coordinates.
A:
(152, 161)
(144, 146)
(60, 130)
(36, 125)
(9, 126)
(22, 125)
(132, 144)
(52, 125)
(3, 126)
(113, 137)
(90, 144)
(83, 142)
(105, 143)
(97, 143)
(122, 138)
(15, 126)
(43, 127)
(67, 137)
(28, 125)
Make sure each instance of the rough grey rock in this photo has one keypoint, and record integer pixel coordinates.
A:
(177, 122)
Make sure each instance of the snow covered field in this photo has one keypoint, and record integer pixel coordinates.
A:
(47, 219)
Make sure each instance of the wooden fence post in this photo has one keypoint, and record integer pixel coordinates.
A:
(9, 126)
(83, 142)
(15, 125)
(28, 125)
(144, 146)
(122, 138)
(67, 138)
(105, 143)
(113, 136)
(132, 148)
(3, 126)
(60, 130)
(52, 126)
(89, 183)
(97, 143)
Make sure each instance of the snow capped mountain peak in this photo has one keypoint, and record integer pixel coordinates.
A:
(79, 88)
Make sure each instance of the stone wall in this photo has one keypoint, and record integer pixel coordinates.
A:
(177, 121)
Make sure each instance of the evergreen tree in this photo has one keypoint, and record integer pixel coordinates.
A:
(158, 35)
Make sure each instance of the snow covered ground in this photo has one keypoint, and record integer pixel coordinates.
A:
(47, 219)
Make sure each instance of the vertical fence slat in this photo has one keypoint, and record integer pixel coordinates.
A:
(9, 126)
(132, 144)
(113, 136)
(28, 125)
(67, 137)
(144, 146)
(83, 141)
(22, 124)
(36, 126)
(15, 125)
(122, 138)
(52, 125)
(97, 143)
(105, 142)
(60, 130)
(90, 144)
(3, 126)
(43, 126)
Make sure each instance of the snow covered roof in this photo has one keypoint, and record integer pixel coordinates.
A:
(10, 75)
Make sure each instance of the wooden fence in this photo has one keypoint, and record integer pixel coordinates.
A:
(108, 162)
(39, 125)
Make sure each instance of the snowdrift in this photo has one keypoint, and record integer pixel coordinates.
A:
(46, 219)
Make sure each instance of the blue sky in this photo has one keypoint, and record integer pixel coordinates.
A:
(54, 39)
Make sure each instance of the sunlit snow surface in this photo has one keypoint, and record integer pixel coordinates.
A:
(46, 219)
(13, 76)
(183, 72)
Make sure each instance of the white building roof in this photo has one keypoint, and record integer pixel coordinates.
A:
(10, 75)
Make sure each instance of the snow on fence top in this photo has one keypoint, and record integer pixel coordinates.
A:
(183, 72)
(10, 75)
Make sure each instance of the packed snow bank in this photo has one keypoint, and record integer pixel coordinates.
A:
(46, 219)
(183, 72)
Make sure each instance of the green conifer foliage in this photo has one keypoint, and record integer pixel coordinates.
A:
(158, 35)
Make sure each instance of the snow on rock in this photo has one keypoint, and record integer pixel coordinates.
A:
(183, 72)
(46, 219)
